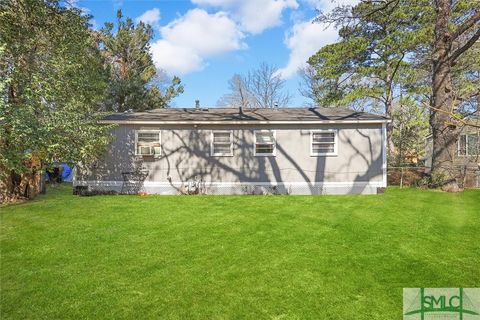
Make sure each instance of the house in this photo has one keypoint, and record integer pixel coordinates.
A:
(235, 151)
(466, 158)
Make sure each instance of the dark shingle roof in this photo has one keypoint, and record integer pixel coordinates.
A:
(193, 115)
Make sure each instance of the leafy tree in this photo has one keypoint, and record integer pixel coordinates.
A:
(55, 81)
(410, 122)
(260, 88)
(134, 82)
(429, 45)
(365, 68)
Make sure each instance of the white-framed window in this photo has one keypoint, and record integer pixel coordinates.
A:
(323, 142)
(148, 143)
(264, 142)
(221, 143)
(469, 145)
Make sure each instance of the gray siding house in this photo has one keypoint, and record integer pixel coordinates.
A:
(235, 151)
(466, 160)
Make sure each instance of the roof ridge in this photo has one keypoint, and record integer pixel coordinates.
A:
(248, 115)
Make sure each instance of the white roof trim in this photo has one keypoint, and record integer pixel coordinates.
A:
(243, 122)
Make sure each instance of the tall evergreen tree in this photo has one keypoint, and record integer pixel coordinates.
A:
(368, 63)
(134, 81)
(431, 41)
(457, 29)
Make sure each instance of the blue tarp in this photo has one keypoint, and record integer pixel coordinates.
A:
(67, 172)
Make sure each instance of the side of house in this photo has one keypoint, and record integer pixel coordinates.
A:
(467, 157)
(312, 157)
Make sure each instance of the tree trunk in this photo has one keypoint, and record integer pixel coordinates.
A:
(16, 186)
(390, 73)
(445, 134)
(477, 111)
(389, 113)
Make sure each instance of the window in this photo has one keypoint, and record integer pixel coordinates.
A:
(462, 145)
(147, 142)
(473, 146)
(222, 143)
(468, 145)
(323, 143)
(265, 143)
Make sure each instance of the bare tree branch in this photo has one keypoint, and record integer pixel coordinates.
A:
(260, 88)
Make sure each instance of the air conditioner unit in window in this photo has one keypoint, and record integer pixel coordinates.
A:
(149, 151)
(145, 151)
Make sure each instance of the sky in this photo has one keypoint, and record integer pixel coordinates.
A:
(206, 42)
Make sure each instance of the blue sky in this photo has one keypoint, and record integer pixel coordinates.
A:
(205, 42)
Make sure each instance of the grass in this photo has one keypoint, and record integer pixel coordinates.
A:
(233, 257)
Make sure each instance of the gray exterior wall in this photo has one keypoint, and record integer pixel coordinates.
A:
(467, 167)
(358, 167)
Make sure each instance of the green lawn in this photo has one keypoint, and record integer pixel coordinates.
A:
(233, 257)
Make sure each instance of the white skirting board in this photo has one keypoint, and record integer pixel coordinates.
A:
(225, 188)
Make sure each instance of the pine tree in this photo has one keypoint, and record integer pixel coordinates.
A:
(428, 44)
(457, 29)
(365, 68)
(135, 83)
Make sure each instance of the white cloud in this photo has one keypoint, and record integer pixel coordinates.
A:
(188, 40)
(151, 17)
(208, 34)
(74, 4)
(329, 5)
(304, 40)
(254, 16)
(175, 59)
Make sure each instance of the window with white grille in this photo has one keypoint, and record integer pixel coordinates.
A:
(222, 143)
(148, 143)
(265, 143)
(323, 143)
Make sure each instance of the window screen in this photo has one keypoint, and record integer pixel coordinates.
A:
(472, 145)
(222, 143)
(264, 142)
(323, 142)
